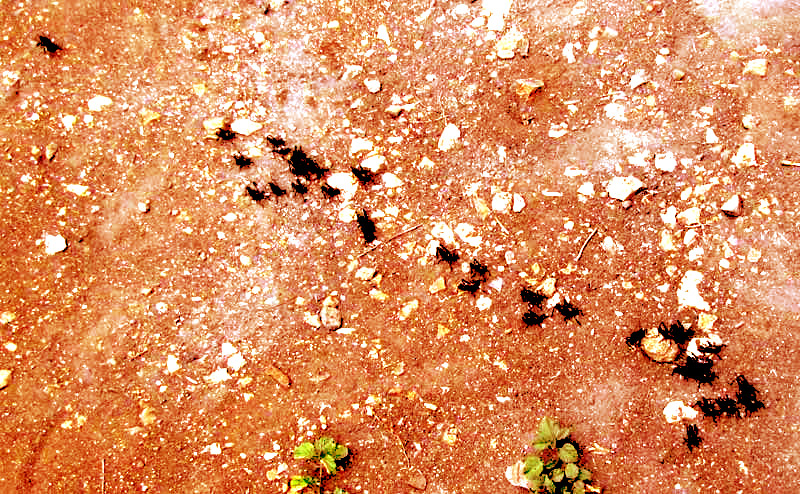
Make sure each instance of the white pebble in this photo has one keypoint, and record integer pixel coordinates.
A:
(373, 85)
(54, 244)
(98, 103)
(245, 127)
(621, 188)
(450, 136)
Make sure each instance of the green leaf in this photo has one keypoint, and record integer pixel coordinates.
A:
(325, 445)
(533, 466)
(339, 490)
(578, 488)
(571, 470)
(534, 484)
(340, 452)
(585, 474)
(305, 451)
(298, 483)
(548, 432)
(557, 475)
(329, 463)
(550, 465)
(568, 453)
(548, 484)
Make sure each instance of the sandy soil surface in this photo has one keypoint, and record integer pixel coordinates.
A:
(161, 327)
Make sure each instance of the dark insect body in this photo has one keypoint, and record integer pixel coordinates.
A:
(276, 189)
(532, 298)
(478, 270)
(709, 408)
(635, 338)
(532, 318)
(470, 286)
(299, 187)
(568, 311)
(302, 165)
(709, 347)
(225, 133)
(277, 143)
(329, 191)
(692, 439)
(727, 406)
(242, 161)
(367, 226)
(747, 396)
(255, 192)
(676, 332)
(48, 45)
(443, 254)
(364, 176)
(698, 369)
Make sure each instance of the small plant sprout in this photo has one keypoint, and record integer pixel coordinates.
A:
(553, 466)
(324, 453)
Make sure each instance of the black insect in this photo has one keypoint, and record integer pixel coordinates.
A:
(225, 133)
(676, 332)
(635, 338)
(709, 408)
(532, 318)
(478, 270)
(532, 298)
(255, 192)
(443, 254)
(747, 396)
(329, 191)
(277, 143)
(727, 406)
(698, 369)
(242, 161)
(367, 226)
(709, 347)
(364, 176)
(276, 189)
(48, 45)
(470, 286)
(692, 439)
(302, 165)
(299, 187)
(569, 311)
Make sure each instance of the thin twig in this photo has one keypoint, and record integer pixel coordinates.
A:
(103, 477)
(583, 247)
(384, 243)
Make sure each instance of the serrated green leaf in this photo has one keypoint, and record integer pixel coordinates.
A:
(325, 445)
(299, 482)
(305, 451)
(329, 463)
(557, 475)
(340, 452)
(550, 465)
(540, 445)
(571, 470)
(568, 454)
(548, 431)
(563, 432)
(533, 466)
(548, 484)
(585, 474)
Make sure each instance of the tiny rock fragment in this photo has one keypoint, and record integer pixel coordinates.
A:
(749, 121)
(218, 376)
(675, 411)
(373, 85)
(236, 361)
(678, 74)
(278, 376)
(98, 103)
(407, 309)
(365, 273)
(518, 203)
(77, 189)
(213, 124)
(147, 416)
(449, 138)
(383, 35)
(706, 321)
(753, 254)
(245, 127)
(666, 162)
(637, 79)
(68, 121)
(704, 346)
(441, 231)
(622, 188)
(515, 474)
(658, 348)
(756, 67)
(526, 87)
(359, 144)
(689, 216)
(733, 206)
(147, 116)
(374, 163)
(414, 478)
(689, 294)
(450, 435)
(54, 244)
(586, 189)
(426, 163)
(746, 155)
(615, 111)
(501, 202)
(50, 151)
(505, 47)
(378, 295)
(466, 233)
(442, 330)
(344, 181)
(667, 242)
(391, 181)
(437, 285)
(483, 303)
(547, 287)
(172, 364)
(329, 314)
(711, 137)
(7, 317)
(5, 378)
(481, 207)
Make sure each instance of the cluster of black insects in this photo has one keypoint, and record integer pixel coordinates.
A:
(478, 272)
(700, 368)
(306, 171)
(535, 314)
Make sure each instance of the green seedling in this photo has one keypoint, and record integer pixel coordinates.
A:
(324, 452)
(553, 466)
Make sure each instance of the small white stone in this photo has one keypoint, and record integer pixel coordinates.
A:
(568, 52)
(756, 67)
(689, 216)
(733, 206)
(749, 121)
(675, 411)
(711, 137)
(666, 162)
(391, 181)
(227, 349)
(230, 217)
(746, 155)
(637, 79)
(668, 216)
(345, 182)
(373, 85)
(483, 303)
(218, 376)
(54, 244)
(374, 163)
(143, 206)
(365, 273)
(98, 103)
(68, 121)
(450, 136)
(444, 232)
(236, 361)
(245, 127)
(615, 111)
(172, 364)
(77, 189)
(5, 378)
(245, 260)
(696, 345)
(586, 189)
(518, 204)
(501, 202)
(466, 233)
(383, 35)
(359, 144)
(621, 188)
(689, 294)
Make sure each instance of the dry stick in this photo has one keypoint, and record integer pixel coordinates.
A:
(583, 247)
(384, 243)
(103, 478)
